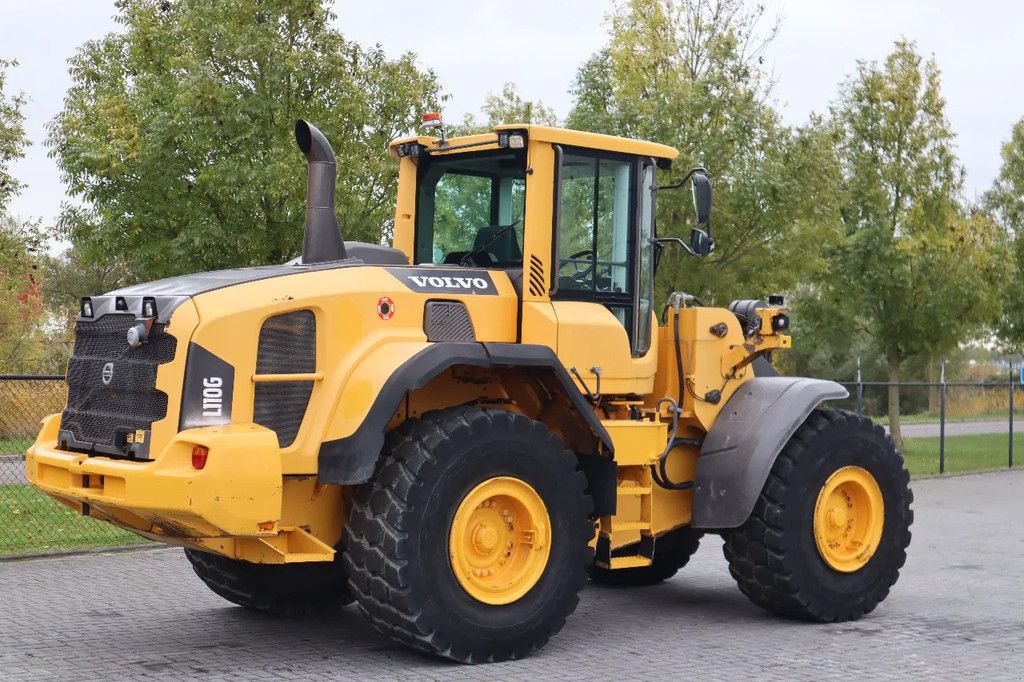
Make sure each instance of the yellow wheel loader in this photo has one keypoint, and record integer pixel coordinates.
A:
(457, 430)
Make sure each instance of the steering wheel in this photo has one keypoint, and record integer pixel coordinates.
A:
(581, 272)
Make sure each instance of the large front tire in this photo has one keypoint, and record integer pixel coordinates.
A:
(471, 542)
(830, 530)
(304, 589)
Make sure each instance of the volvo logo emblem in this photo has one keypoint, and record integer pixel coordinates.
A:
(108, 373)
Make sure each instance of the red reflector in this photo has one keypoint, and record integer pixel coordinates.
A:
(199, 454)
(431, 116)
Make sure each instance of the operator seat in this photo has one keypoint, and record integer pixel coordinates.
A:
(506, 251)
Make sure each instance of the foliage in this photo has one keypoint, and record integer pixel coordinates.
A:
(21, 299)
(688, 73)
(1006, 201)
(508, 106)
(914, 271)
(177, 132)
(12, 136)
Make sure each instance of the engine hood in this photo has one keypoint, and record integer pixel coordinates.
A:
(172, 291)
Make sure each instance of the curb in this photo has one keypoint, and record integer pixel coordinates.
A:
(962, 474)
(148, 547)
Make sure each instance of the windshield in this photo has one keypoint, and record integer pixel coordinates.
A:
(470, 203)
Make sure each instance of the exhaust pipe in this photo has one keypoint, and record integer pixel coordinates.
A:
(322, 241)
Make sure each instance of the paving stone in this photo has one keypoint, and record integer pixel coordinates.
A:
(957, 611)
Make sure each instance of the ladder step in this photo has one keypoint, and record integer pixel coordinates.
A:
(630, 525)
(637, 490)
(629, 562)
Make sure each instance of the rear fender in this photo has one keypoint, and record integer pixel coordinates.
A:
(743, 443)
(352, 459)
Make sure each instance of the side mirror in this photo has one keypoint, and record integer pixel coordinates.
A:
(701, 243)
(702, 197)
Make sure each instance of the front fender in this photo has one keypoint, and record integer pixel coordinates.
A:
(740, 449)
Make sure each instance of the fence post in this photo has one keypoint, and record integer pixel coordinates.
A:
(860, 390)
(942, 418)
(1010, 458)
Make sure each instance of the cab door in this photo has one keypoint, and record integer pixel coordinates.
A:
(601, 289)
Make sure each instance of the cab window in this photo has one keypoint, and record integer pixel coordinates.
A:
(596, 224)
(469, 209)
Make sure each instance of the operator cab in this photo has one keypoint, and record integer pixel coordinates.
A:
(568, 215)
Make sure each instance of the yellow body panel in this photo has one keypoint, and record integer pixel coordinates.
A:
(356, 349)
(589, 336)
(226, 498)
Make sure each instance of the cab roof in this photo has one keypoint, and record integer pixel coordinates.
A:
(561, 136)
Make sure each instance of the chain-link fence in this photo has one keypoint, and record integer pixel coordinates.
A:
(30, 522)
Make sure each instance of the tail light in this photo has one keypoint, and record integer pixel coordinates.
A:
(199, 454)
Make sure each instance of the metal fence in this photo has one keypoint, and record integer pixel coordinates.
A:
(971, 424)
(30, 522)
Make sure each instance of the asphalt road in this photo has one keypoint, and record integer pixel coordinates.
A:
(955, 613)
(972, 428)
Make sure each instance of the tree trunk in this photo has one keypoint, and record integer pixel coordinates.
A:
(894, 401)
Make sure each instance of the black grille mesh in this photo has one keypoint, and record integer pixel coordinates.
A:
(287, 346)
(447, 321)
(97, 412)
(280, 406)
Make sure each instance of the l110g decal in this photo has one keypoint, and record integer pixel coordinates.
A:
(209, 388)
(446, 280)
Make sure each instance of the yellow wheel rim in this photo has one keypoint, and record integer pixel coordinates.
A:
(848, 519)
(500, 540)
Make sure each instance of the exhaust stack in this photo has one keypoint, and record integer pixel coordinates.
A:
(322, 240)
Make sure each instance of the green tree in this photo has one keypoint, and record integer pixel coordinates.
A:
(20, 244)
(176, 132)
(1006, 201)
(509, 107)
(21, 300)
(12, 136)
(688, 73)
(915, 271)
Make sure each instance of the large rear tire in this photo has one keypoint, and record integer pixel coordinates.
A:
(306, 589)
(471, 542)
(830, 530)
(672, 551)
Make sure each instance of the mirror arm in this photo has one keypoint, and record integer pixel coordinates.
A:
(674, 240)
(690, 174)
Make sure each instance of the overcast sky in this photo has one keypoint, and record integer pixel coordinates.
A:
(476, 45)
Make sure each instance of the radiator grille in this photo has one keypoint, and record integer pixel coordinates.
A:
(287, 346)
(97, 413)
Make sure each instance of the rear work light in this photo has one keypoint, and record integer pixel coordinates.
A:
(199, 454)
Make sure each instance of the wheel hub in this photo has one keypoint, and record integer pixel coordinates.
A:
(849, 517)
(500, 540)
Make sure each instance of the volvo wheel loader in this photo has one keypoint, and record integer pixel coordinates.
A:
(457, 430)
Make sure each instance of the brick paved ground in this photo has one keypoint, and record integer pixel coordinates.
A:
(957, 612)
